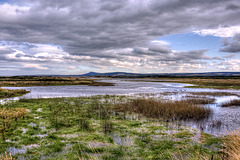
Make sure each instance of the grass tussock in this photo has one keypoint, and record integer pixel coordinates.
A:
(232, 146)
(235, 102)
(166, 110)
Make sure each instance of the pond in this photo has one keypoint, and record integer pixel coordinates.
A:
(222, 120)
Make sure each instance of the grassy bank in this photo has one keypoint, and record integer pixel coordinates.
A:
(203, 83)
(25, 81)
(7, 93)
(92, 128)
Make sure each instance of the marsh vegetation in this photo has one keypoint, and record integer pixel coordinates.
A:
(95, 127)
(166, 110)
(141, 126)
(6, 93)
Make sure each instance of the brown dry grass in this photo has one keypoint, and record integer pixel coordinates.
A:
(165, 110)
(6, 157)
(200, 100)
(232, 146)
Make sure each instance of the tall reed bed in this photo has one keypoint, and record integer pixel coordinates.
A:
(165, 110)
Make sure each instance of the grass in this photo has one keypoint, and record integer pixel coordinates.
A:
(235, 102)
(6, 157)
(232, 146)
(199, 101)
(25, 81)
(165, 110)
(91, 128)
(7, 93)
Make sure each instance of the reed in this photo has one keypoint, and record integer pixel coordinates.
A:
(165, 110)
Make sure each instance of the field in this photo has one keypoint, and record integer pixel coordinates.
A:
(95, 128)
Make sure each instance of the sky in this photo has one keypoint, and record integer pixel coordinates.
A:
(45, 37)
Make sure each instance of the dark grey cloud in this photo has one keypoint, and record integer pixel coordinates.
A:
(83, 26)
(233, 7)
(233, 46)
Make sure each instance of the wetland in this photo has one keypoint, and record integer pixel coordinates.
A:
(127, 120)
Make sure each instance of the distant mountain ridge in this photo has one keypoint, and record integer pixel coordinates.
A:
(126, 74)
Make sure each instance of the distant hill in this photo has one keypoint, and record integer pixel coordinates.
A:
(153, 75)
(114, 74)
(125, 74)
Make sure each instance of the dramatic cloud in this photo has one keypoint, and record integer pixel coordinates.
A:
(77, 36)
(233, 46)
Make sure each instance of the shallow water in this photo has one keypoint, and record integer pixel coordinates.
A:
(122, 87)
(229, 117)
